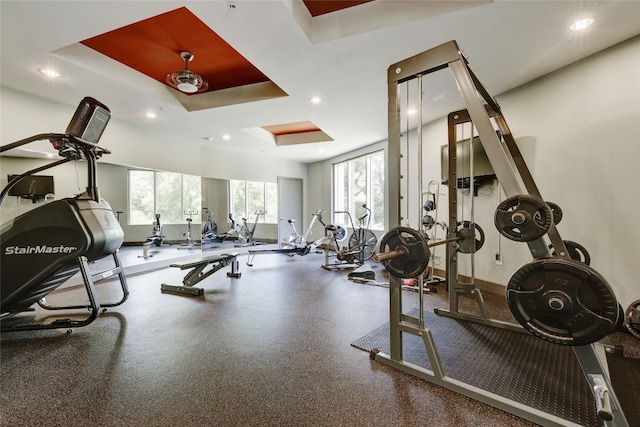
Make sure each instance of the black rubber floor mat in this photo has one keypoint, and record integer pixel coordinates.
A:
(625, 376)
(519, 366)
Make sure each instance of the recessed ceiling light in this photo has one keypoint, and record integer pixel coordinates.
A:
(153, 113)
(226, 137)
(49, 72)
(315, 100)
(581, 24)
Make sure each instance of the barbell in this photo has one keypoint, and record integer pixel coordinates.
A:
(404, 252)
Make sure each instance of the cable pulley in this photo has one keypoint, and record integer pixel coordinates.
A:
(563, 301)
(523, 218)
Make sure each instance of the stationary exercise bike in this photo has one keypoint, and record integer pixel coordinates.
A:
(297, 240)
(154, 240)
(361, 244)
(245, 233)
(157, 237)
(43, 248)
(190, 243)
(210, 229)
(294, 244)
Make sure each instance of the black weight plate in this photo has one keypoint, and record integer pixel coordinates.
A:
(523, 218)
(632, 318)
(576, 251)
(563, 301)
(416, 257)
(556, 211)
(471, 240)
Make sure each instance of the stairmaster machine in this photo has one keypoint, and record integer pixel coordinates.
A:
(45, 247)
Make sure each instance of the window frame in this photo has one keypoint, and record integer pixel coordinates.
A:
(196, 218)
(342, 172)
(269, 189)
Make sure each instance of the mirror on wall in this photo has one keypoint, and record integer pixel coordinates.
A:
(138, 195)
(216, 226)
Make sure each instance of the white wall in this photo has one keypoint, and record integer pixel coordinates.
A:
(68, 181)
(24, 115)
(582, 125)
(579, 132)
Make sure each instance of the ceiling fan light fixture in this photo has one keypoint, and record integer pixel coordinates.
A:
(186, 80)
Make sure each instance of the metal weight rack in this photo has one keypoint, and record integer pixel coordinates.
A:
(514, 176)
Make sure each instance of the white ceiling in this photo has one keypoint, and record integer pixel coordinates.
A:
(342, 57)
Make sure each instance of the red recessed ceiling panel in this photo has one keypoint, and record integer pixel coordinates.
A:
(321, 7)
(291, 128)
(153, 47)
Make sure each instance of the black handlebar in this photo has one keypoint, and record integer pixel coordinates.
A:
(60, 141)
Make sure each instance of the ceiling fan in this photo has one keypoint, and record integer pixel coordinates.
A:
(186, 80)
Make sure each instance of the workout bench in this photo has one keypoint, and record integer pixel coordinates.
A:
(196, 274)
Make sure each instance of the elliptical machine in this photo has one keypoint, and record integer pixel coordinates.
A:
(43, 248)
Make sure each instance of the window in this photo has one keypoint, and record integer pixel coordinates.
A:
(356, 182)
(171, 195)
(249, 197)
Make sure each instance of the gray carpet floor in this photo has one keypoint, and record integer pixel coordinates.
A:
(271, 348)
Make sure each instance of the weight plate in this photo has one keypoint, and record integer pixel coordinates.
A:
(416, 257)
(620, 323)
(632, 318)
(523, 218)
(471, 240)
(563, 301)
(428, 222)
(576, 251)
(363, 241)
(556, 211)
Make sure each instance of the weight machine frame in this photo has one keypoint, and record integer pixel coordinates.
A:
(515, 179)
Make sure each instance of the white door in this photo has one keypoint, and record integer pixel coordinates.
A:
(289, 206)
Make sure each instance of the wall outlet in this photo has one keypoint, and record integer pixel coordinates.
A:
(498, 259)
